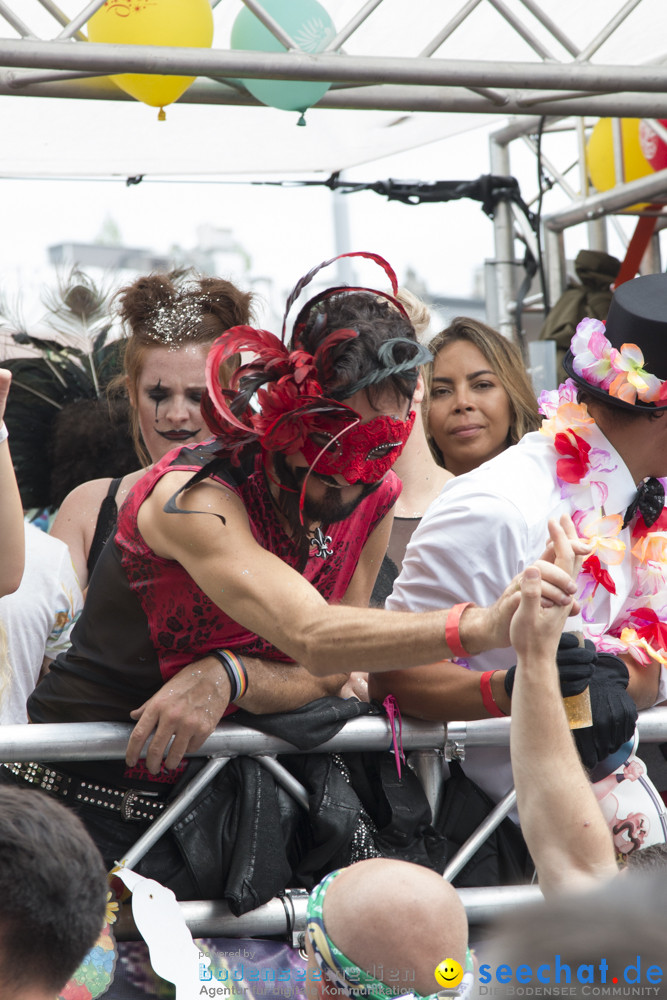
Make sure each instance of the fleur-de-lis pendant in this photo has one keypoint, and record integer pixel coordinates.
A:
(321, 544)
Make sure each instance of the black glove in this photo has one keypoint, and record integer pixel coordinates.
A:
(614, 712)
(575, 666)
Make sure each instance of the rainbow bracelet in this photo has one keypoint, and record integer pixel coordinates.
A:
(235, 670)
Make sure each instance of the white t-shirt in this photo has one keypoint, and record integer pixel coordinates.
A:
(37, 618)
(483, 529)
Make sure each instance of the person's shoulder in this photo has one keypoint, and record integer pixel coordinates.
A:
(86, 495)
(521, 476)
(80, 507)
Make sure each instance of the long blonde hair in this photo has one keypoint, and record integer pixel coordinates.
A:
(506, 362)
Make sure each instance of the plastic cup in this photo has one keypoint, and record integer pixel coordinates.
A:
(578, 710)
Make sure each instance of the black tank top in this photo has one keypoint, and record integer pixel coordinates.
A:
(106, 522)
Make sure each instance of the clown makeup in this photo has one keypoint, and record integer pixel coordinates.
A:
(167, 397)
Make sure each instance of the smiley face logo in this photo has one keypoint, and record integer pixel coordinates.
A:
(449, 973)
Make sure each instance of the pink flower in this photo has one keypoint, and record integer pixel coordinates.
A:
(600, 465)
(601, 531)
(592, 353)
(648, 626)
(651, 578)
(567, 415)
(640, 648)
(631, 379)
(651, 547)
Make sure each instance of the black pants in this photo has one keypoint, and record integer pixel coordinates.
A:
(114, 837)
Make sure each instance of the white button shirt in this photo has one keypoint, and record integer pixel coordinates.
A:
(483, 529)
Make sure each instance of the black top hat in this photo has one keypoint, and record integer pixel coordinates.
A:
(637, 315)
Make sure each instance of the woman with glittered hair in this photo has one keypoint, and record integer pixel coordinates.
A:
(257, 550)
(171, 322)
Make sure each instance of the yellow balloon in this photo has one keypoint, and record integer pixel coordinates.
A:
(600, 154)
(187, 23)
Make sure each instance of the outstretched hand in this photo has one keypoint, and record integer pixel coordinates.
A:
(554, 577)
(537, 624)
(535, 629)
(187, 708)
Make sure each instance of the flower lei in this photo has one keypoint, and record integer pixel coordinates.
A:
(620, 373)
(582, 472)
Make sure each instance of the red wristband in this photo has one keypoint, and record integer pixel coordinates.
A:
(452, 637)
(488, 700)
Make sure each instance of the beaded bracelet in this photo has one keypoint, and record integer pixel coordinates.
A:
(489, 702)
(452, 637)
(4, 433)
(234, 668)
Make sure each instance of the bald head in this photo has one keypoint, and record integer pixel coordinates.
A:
(396, 916)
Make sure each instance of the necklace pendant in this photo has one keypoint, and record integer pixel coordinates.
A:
(321, 544)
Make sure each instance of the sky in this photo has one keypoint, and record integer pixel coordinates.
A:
(283, 231)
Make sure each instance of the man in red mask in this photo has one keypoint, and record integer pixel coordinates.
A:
(258, 550)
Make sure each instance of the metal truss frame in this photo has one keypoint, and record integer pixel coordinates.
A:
(562, 83)
(63, 67)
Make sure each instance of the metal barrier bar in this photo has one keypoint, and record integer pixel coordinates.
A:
(108, 740)
(285, 916)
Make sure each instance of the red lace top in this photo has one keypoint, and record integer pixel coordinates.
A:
(145, 618)
(181, 618)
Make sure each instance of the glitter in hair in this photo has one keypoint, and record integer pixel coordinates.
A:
(173, 321)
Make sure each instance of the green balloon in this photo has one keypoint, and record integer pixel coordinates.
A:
(311, 28)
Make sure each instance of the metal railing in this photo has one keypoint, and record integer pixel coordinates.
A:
(429, 743)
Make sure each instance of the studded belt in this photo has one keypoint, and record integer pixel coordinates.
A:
(133, 805)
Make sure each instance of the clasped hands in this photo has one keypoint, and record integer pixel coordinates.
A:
(536, 632)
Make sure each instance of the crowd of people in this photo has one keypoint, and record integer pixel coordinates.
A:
(233, 573)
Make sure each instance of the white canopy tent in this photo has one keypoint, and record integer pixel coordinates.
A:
(403, 75)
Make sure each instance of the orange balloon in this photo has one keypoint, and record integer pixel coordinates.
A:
(187, 23)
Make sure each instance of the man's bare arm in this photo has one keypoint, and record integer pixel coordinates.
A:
(561, 820)
(438, 692)
(644, 683)
(189, 706)
(12, 531)
(262, 593)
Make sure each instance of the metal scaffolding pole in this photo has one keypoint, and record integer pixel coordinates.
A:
(503, 230)
(107, 58)
(651, 188)
(64, 84)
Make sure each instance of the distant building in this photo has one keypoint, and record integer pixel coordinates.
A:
(108, 258)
